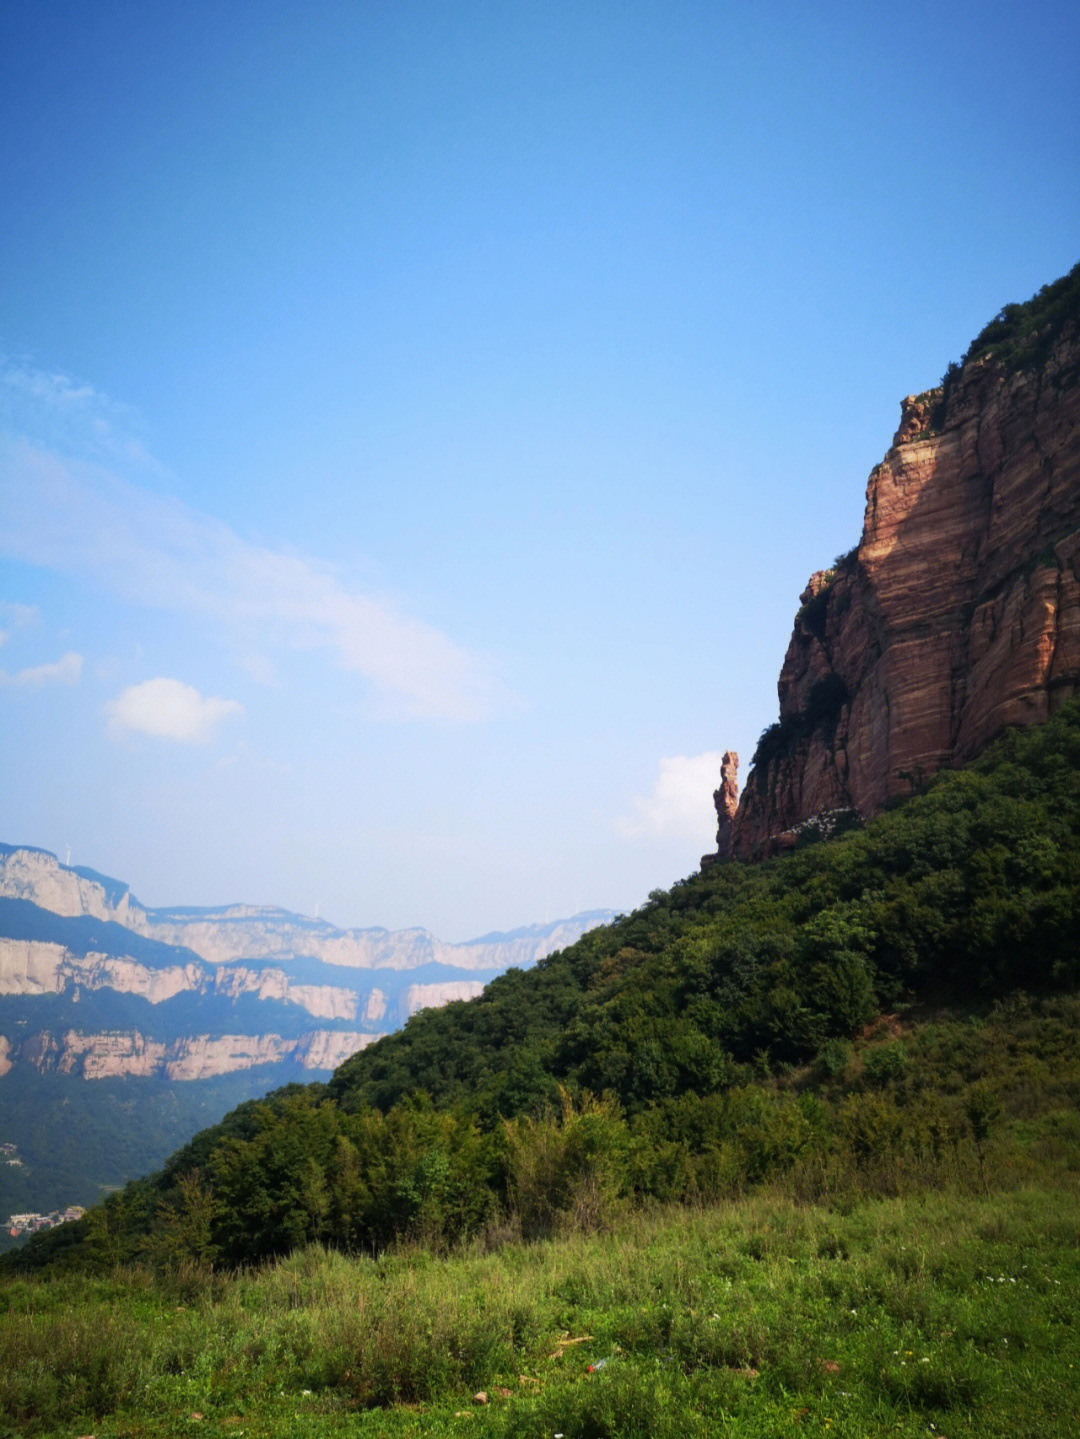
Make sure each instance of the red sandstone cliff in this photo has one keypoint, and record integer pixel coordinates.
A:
(959, 611)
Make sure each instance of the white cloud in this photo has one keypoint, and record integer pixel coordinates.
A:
(681, 802)
(17, 617)
(68, 508)
(168, 709)
(65, 671)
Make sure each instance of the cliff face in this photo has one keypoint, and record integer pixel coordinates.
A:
(94, 985)
(958, 613)
(118, 1053)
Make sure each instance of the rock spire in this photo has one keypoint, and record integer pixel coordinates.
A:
(726, 800)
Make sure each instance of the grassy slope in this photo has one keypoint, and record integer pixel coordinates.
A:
(942, 1314)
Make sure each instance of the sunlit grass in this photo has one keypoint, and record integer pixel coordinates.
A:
(939, 1315)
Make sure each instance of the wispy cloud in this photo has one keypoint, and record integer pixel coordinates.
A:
(69, 415)
(681, 799)
(169, 709)
(65, 671)
(69, 508)
(17, 617)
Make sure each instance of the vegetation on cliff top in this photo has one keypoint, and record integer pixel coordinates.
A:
(1023, 334)
(692, 1048)
(1019, 337)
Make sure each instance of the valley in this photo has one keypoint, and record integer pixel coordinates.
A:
(138, 1026)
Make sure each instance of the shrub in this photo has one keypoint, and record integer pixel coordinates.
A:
(566, 1171)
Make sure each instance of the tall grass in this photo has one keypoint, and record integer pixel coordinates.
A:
(760, 1317)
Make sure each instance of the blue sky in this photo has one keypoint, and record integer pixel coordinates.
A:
(418, 421)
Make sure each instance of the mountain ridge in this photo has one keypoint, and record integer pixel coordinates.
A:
(68, 931)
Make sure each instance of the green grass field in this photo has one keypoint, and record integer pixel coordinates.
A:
(944, 1315)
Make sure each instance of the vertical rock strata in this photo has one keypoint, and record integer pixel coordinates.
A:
(726, 799)
(958, 613)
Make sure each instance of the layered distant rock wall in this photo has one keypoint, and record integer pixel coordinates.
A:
(959, 611)
(264, 932)
(94, 985)
(112, 1054)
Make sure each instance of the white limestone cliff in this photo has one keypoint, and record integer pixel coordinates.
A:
(111, 1055)
(220, 960)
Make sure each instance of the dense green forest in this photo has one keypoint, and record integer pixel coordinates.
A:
(754, 1020)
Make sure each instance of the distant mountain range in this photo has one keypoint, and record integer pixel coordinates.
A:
(178, 1014)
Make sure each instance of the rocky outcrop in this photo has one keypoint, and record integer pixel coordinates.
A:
(322, 1001)
(434, 996)
(726, 800)
(375, 1007)
(39, 967)
(37, 876)
(959, 611)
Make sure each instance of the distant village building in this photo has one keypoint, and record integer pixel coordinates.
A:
(32, 1223)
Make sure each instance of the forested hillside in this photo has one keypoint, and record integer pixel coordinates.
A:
(881, 1009)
